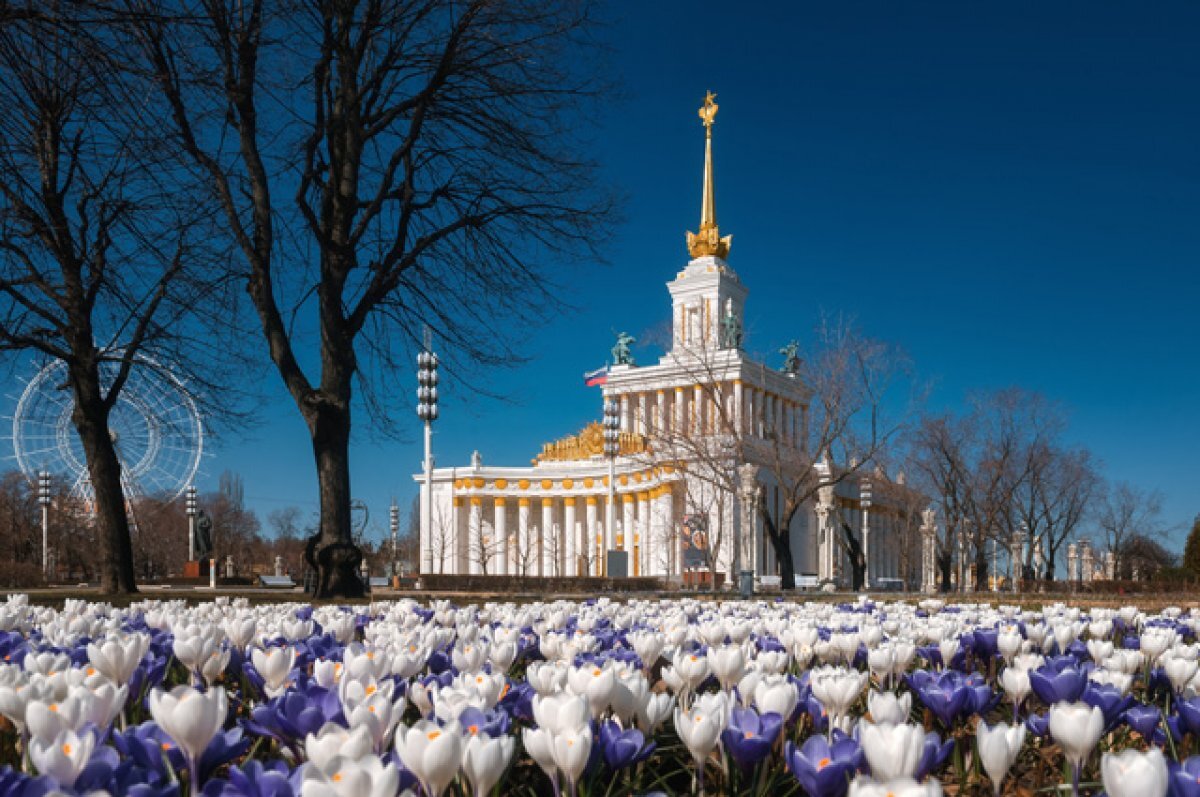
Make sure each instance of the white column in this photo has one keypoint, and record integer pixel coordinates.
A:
(626, 425)
(670, 536)
(500, 529)
(643, 532)
(677, 426)
(698, 410)
(592, 538)
(664, 422)
(476, 547)
(571, 535)
(644, 407)
(629, 527)
(547, 542)
(739, 408)
(525, 546)
(866, 538)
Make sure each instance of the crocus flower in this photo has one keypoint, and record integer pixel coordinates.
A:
(485, 759)
(892, 751)
(1143, 719)
(256, 779)
(1109, 699)
(191, 718)
(824, 767)
(1076, 727)
(1189, 714)
(365, 777)
(1185, 778)
(934, 754)
(750, 736)
(571, 750)
(999, 746)
(623, 748)
(64, 757)
(1134, 774)
(886, 707)
(900, 787)
(945, 694)
(431, 753)
(1053, 685)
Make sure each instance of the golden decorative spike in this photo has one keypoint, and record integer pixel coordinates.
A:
(708, 240)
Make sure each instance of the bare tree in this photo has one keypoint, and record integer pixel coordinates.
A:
(103, 257)
(1053, 501)
(398, 163)
(1126, 512)
(854, 415)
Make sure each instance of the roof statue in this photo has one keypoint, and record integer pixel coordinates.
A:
(621, 352)
(708, 241)
(791, 358)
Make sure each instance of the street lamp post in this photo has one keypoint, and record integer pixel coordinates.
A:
(394, 525)
(44, 500)
(191, 516)
(612, 447)
(427, 411)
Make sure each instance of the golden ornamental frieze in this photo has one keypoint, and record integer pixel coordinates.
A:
(589, 443)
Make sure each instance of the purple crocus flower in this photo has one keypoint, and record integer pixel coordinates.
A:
(980, 697)
(1055, 686)
(623, 748)
(1109, 699)
(1143, 719)
(824, 769)
(750, 735)
(1189, 715)
(494, 723)
(933, 755)
(292, 716)
(820, 717)
(1184, 780)
(256, 779)
(945, 694)
(1038, 724)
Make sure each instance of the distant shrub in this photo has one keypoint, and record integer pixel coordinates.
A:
(20, 575)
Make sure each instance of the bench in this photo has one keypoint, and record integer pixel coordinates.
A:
(276, 582)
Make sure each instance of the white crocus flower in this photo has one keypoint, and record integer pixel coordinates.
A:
(485, 759)
(1134, 774)
(345, 777)
(189, 717)
(887, 708)
(893, 751)
(333, 740)
(1076, 727)
(999, 746)
(431, 753)
(62, 758)
(863, 786)
(274, 665)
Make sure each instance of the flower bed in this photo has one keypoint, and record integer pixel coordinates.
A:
(596, 698)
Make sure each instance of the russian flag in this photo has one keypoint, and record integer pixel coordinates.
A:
(597, 377)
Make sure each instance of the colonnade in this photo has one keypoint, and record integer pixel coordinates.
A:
(712, 409)
(562, 535)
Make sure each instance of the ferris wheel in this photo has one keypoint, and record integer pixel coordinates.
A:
(154, 425)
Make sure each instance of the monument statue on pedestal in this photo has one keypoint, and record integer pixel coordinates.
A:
(204, 544)
(621, 353)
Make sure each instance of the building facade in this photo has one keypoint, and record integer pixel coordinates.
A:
(704, 434)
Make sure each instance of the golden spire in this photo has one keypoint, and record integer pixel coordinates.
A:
(708, 241)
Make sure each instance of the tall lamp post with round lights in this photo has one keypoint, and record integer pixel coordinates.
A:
(748, 478)
(394, 527)
(44, 500)
(612, 447)
(427, 411)
(191, 516)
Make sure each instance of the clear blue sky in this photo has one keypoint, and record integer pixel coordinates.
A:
(1009, 191)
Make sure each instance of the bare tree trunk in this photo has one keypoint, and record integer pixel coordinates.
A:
(946, 565)
(337, 557)
(90, 417)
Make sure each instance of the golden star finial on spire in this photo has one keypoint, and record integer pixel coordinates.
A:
(708, 241)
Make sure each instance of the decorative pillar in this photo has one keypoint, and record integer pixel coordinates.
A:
(739, 408)
(1072, 562)
(644, 408)
(476, 544)
(928, 550)
(825, 525)
(571, 537)
(594, 542)
(698, 410)
(641, 540)
(1110, 565)
(679, 425)
(1089, 564)
(548, 547)
(663, 423)
(524, 559)
(500, 529)
(628, 527)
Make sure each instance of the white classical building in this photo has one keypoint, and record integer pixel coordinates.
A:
(703, 434)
